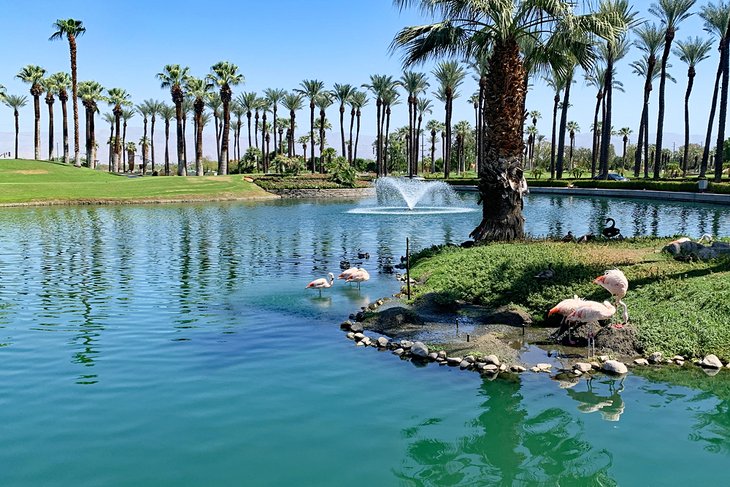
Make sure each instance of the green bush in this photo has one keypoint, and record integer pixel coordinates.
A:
(341, 172)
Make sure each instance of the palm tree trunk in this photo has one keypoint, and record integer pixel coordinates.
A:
(572, 146)
(350, 158)
(594, 152)
(725, 54)
(92, 124)
(275, 128)
(75, 93)
(342, 128)
(290, 149)
(144, 147)
(501, 181)
(321, 141)
(311, 133)
(433, 151)
(357, 136)
(690, 82)
(409, 149)
(647, 161)
(49, 102)
(17, 130)
(152, 142)
(710, 123)
(480, 123)
(447, 156)
(64, 116)
(418, 135)
(167, 147)
(556, 100)
(660, 119)
(199, 140)
(378, 136)
(124, 146)
(110, 159)
(563, 124)
(117, 144)
(226, 98)
(181, 165)
(37, 109)
(387, 140)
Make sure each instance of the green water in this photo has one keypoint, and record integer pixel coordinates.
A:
(177, 346)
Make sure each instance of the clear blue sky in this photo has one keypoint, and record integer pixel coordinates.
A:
(278, 44)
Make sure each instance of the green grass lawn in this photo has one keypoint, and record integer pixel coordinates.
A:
(23, 181)
(677, 307)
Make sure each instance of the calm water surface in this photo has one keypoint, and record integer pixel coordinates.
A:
(176, 345)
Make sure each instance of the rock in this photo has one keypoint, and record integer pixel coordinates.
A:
(596, 365)
(470, 359)
(372, 306)
(728, 365)
(655, 358)
(433, 356)
(582, 367)
(710, 372)
(360, 344)
(678, 358)
(506, 315)
(502, 367)
(406, 344)
(346, 325)
(453, 360)
(492, 359)
(517, 368)
(577, 373)
(535, 369)
(382, 342)
(366, 341)
(711, 362)
(603, 358)
(419, 350)
(490, 368)
(544, 367)
(359, 336)
(399, 351)
(357, 328)
(679, 362)
(351, 336)
(380, 302)
(641, 361)
(706, 253)
(442, 354)
(464, 364)
(615, 367)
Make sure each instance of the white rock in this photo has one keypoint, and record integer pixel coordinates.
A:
(535, 369)
(641, 361)
(678, 358)
(382, 342)
(517, 368)
(679, 362)
(399, 351)
(596, 365)
(442, 354)
(433, 356)
(470, 359)
(419, 350)
(365, 341)
(351, 336)
(359, 336)
(615, 367)
(453, 360)
(582, 367)
(492, 359)
(361, 343)
(711, 362)
(655, 358)
(490, 368)
(502, 367)
(544, 367)
(603, 358)
(464, 364)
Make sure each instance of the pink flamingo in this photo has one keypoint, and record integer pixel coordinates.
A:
(565, 307)
(360, 276)
(347, 273)
(322, 283)
(614, 281)
(592, 312)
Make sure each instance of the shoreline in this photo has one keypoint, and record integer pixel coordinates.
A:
(136, 201)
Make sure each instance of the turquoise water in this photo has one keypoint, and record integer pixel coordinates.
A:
(176, 345)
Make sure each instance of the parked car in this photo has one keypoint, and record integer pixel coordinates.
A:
(614, 177)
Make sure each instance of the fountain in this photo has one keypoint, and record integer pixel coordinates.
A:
(403, 196)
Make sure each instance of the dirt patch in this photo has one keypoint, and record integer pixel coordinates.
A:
(30, 171)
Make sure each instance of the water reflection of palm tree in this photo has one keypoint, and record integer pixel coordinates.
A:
(610, 405)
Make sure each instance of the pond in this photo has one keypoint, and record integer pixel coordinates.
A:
(176, 345)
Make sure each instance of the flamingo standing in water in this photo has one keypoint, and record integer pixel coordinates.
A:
(361, 275)
(322, 283)
(565, 307)
(614, 281)
(592, 312)
(347, 273)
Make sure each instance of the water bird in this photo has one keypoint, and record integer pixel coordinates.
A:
(362, 255)
(565, 308)
(568, 238)
(592, 312)
(344, 264)
(322, 283)
(546, 274)
(360, 276)
(348, 272)
(614, 281)
(585, 238)
(611, 231)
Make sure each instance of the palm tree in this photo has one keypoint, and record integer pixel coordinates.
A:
(153, 106)
(390, 98)
(466, 26)
(357, 102)
(450, 75)
(671, 13)
(71, 29)
(534, 115)
(378, 86)
(717, 23)
(144, 110)
(573, 128)
(200, 90)
(292, 102)
(650, 41)
(624, 132)
(117, 98)
(248, 101)
(264, 107)
(15, 102)
(110, 119)
(311, 88)
(90, 92)
(342, 94)
(423, 106)
(127, 114)
(691, 52)
(415, 84)
(304, 140)
(557, 83)
(480, 65)
(167, 113)
(433, 126)
(323, 102)
(225, 75)
(274, 97)
(33, 75)
(238, 111)
(173, 76)
(595, 77)
(50, 88)
(61, 83)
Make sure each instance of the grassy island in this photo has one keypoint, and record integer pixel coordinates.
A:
(675, 307)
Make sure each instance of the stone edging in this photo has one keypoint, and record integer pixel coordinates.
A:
(325, 193)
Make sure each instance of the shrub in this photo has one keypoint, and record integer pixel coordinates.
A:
(341, 172)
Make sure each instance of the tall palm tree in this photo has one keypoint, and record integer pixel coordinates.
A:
(650, 39)
(71, 29)
(573, 128)
(717, 23)
(173, 76)
(33, 75)
(378, 86)
(238, 111)
(153, 106)
(90, 92)
(390, 98)
(595, 78)
(480, 65)
(311, 88)
(274, 96)
(215, 105)
(200, 90)
(691, 52)
(264, 107)
(433, 126)
(292, 102)
(557, 82)
(248, 101)
(450, 75)
(323, 102)
(117, 98)
(468, 25)
(62, 82)
(342, 94)
(15, 102)
(144, 110)
(167, 113)
(671, 13)
(110, 119)
(304, 140)
(225, 75)
(624, 132)
(357, 102)
(127, 115)
(50, 87)
(415, 84)
(423, 106)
